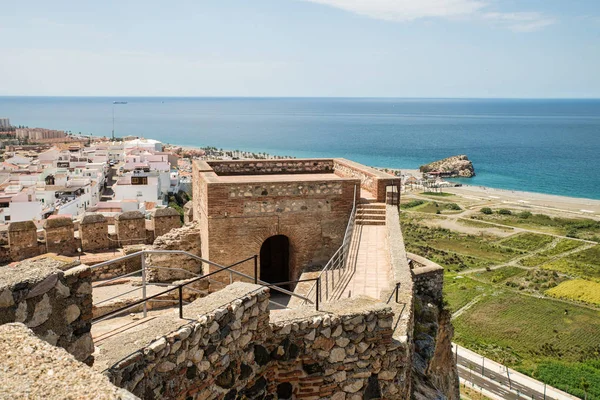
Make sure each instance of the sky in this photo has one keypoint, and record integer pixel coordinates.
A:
(289, 48)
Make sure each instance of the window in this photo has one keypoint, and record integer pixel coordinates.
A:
(139, 180)
(4, 205)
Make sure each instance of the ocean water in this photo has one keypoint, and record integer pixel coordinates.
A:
(546, 146)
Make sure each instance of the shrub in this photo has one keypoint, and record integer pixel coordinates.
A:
(504, 211)
(453, 206)
(486, 211)
(413, 203)
(524, 214)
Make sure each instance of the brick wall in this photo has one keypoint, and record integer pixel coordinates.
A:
(55, 304)
(371, 179)
(165, 219)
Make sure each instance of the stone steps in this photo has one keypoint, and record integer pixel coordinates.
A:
(370, 214)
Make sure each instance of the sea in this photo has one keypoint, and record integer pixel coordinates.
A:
(544, 146)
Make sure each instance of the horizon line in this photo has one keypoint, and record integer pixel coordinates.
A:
(303, 97)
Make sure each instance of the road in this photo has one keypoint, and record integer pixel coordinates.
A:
(494, 380)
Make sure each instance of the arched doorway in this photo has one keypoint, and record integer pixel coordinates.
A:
(274, 260)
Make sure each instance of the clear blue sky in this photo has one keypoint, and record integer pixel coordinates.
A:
(371, 48)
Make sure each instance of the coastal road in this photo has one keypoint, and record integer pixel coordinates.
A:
(494, 381)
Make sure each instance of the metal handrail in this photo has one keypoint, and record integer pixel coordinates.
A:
(344, 246)
(221, 269)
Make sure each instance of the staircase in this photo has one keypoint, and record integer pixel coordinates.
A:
(368, 213)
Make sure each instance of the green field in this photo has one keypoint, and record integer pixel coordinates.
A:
(578, 290)
(499, 275)
(531, 334)
(453, 250)
(542, 257)
(575, 268)
(459, 291)
(478, 224)
(437, 194)
(581, 228)
(527, 241)
(431, 207)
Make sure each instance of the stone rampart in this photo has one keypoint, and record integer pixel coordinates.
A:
(60, 236)
(230, 347)
(272, 167)
(130, 227)
(93, 231)
(428, 278)
(165, 219)
(33, 369)
(55, 304)
(371, 179)
(22, 240)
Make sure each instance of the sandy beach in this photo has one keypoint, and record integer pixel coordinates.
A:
(577, 206)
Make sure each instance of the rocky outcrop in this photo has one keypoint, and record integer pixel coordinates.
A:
(455, 166)
(435, 376)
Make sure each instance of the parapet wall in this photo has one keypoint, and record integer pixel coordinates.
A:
(55, 304)
(272, 167)
(371, 179)
(59, 235)
(428, 278)
(232, 348)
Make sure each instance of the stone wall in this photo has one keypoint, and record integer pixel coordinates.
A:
(118, 268)
(371, 179)
(93, 231)
(33, 369)
(272, 167)
(165, 219)
(55, 304)
(22, 240)
(428, 278)
(60, 236)
(232, 348)
(130, 227)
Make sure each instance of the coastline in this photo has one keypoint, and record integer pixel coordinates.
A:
(582, 207)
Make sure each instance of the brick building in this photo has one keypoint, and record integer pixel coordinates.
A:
(292, 213)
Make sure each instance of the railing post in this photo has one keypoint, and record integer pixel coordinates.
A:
(318, 293)
(144, 283)
(181, 301)
(256, 269)
(230, 277)
(397, 290)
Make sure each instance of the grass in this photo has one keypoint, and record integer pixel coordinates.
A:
(431, 207)
(563, 246)
(578, 290)
(532, 334)
(574, 268)
(478, 224)
(580, 228)
(459, 291)
(569, 376)
(452, 250)
(527, 241)
(499, 275)
(438, 194)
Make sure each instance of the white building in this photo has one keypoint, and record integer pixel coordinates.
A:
(4, 123)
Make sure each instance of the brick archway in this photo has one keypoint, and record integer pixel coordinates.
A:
(275, 259)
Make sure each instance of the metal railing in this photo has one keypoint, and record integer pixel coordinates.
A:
(339, 259)
(144, 267)
(393, 193)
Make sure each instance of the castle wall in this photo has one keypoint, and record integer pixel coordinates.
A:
(130, 227)
(233, 348)
(371, 179)
(272, 167)
(93, 231)
(22, 240)
(60, 236)
(165, 219)
(428, 278)
(240, 217)
(56, 305)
